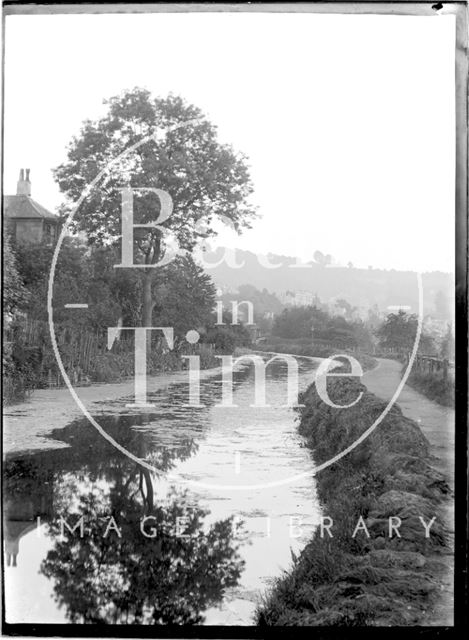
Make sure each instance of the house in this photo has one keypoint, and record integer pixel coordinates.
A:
(22, 508)
(27, 220)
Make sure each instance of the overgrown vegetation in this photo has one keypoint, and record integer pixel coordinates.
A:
(184, 299)
(184, 177)
(433, 386)
(303, 347)
(397, 335)
(377, 580)
(316, 324)
(26, 367)
(398, 332)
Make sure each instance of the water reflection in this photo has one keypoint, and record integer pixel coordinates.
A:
(162, 577)
(124, 576)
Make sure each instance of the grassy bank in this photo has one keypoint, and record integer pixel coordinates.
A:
(20, 381)
(433, 386)
(377, 580)
(305, 348)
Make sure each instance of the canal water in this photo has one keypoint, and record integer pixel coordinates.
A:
(198, 540)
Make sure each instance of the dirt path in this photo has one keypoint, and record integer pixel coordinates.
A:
(438, 425)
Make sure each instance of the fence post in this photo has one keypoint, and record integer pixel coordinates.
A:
(445, 368)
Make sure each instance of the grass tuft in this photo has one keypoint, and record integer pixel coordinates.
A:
(363, 581)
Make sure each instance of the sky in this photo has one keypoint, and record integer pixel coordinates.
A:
(347, 120)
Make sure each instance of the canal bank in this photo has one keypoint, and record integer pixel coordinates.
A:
(376, 576)
(375, 581)
(199, 452)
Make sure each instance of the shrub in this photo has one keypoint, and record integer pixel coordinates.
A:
(433, 386)
(376, 581)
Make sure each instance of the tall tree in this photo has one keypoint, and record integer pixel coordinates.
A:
(205, 179)
(186, 297)
(399, 331)
(14, 293)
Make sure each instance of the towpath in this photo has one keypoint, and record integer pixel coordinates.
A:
(438, 425)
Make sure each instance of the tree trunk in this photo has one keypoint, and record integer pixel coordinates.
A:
(148, 304)
(152, 257)
(148, 495)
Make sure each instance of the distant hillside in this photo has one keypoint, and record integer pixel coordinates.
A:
(360, 287)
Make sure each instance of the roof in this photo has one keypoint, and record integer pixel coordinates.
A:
(22, 206)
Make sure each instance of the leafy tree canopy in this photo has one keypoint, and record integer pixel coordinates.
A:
(399, 331)
(205, 179)
(14, 292)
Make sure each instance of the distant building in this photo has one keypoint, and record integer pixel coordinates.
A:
(27, 220)
(435, 327)
(304, 298)
(299, 298)
(22, 508)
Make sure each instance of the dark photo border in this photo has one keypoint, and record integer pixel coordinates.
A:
(460, 10)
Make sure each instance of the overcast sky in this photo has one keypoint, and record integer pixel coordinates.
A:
(348, 121)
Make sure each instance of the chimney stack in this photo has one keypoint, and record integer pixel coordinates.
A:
(23, 187)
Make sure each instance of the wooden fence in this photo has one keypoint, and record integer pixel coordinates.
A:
(79, 349)
(434, 365)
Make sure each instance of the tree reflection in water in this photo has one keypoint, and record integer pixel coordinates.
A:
(163, 579)
(131, 579)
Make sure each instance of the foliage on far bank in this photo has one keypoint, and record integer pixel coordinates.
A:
(398, 332)
(15, 382)
(205, 179)
(306, 348)
(316, 324)
(14, 293)
(184, 299)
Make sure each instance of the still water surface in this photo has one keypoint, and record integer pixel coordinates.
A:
(213, 552)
